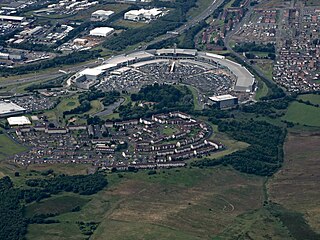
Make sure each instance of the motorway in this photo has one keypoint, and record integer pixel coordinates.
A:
(47, 76)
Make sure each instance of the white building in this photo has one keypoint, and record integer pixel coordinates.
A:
(143, 14)
(8, 108)
(101, 31)
(224, 101)
(101, 15)
(18, 121)
(11, 18)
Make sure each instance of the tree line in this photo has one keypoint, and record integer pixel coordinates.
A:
(263, 157)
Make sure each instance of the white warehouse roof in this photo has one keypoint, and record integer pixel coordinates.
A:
(18, 121)
(222, 98)
(91, 72)
(7, 107)
(102, 13)
(101, 31)
(11, 18)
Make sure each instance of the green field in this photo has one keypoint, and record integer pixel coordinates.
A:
(266, 66)
(8, 147)
(312, 98)
(303, 114)
(55, 205)
(262, 90)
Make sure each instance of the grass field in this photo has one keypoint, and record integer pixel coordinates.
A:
(8, 147)
(258, 224)
(303, 114)
(66, 104)
(295, 186)
(129, 24)
(312, 98)
(266, 66)
(172, 204)
(55, 205)
(262, 91)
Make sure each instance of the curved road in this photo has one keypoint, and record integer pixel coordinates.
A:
(229, 36)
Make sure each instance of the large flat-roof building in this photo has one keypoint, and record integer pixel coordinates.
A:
(18, 121)
(11, 18)
(8, 108)
(101, 15)
(143, 14)
(101, 31)
(224, 101)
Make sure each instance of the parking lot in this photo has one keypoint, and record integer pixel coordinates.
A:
(206, 78)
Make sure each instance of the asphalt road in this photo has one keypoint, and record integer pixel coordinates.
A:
(47, 76)
(231, 33)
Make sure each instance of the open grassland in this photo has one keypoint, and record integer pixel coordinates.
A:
(258, 224)
(262, 90)
(8, 147)
(129, 24)
(303, 114)
(171, 204)
(55, 231)
(66, 104)
(61, 168)
(312, 98)
(265, 66)
(55, 205)
(274, 4)
(296, 186)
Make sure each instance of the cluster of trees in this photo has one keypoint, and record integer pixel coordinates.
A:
(110, 98)
(236, 3)
(82, 184)
(188, 39)
(12, 223)
(264, 155)
(56, 62)
(85, 99)
(253, 46)
(219, 10)
(165, 98)
(268, 107)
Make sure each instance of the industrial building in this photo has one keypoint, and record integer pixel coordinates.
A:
(224, 101)
(18, 121)
(143, 14)
(8, 108)
(101, 31)
(87, 78)
(11, 18)
(101, 15)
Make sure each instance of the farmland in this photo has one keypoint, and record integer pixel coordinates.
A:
(303, 114)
